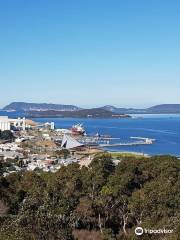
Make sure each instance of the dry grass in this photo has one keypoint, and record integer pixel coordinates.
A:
(87, 235)
(46, 143)
(3, 208)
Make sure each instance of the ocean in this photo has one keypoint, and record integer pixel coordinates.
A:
(165, 129)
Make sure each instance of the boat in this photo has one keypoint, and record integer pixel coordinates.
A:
(78, 129)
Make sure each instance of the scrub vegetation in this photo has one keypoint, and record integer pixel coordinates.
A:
(101, 201)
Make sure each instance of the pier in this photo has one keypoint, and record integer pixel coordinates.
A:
(140, 141)
(106, 141)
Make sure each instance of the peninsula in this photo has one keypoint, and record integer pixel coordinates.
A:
(83, 113)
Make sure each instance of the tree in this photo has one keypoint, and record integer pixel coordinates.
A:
(102, 200)
(62, 153)
(6, 135)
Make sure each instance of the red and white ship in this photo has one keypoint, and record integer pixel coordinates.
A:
(78, 129)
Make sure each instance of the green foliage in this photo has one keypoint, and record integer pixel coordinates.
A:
(62, 153)
(112, 200)
(6, 135)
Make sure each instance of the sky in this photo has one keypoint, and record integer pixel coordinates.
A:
(90, 52)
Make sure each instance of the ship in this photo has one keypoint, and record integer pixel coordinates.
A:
(78, 129)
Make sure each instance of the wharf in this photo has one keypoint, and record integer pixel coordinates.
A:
(141, 141)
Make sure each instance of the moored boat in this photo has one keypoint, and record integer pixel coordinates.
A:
(78, 129)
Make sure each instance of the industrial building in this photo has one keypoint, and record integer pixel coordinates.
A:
(7, 123)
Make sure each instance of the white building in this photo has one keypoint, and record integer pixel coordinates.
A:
(8, 123)
(4, 123)
(21, 124)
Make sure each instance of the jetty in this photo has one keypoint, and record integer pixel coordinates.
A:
(140, 141)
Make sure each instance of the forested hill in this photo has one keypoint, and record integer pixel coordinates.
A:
(158, 109)
(165, 108)
(84, 113)
(23, 106)
(29, 107)
(102, 201)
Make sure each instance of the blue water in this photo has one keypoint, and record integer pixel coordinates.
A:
(164, 128)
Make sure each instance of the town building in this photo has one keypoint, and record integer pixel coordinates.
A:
(4, 123)
(7, 123)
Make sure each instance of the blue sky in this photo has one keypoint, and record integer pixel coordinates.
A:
(90, 53)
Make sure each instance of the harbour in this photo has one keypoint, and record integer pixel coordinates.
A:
(119, 135)
(164, 129)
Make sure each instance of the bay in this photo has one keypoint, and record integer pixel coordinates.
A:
(165, 129)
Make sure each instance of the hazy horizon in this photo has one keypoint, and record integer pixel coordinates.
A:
(90, 53)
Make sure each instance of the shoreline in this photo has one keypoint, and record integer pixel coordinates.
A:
(129, 153)
(138, 154)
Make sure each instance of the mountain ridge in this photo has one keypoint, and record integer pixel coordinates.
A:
(24, 106)
(30, 107)
(157, 109)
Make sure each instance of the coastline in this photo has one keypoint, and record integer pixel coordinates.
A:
(128, 154)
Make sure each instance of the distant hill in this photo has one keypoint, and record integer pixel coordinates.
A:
(165, 108)
(114, 109)
(23, 106)
(35, 107)
(158, 109)
(84, 113)
(121, 110)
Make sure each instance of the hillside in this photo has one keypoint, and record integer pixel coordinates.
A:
(23, 106)
(84, 113)
(158, 109)
(165, 108)
(73, 202)
(105, 110)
